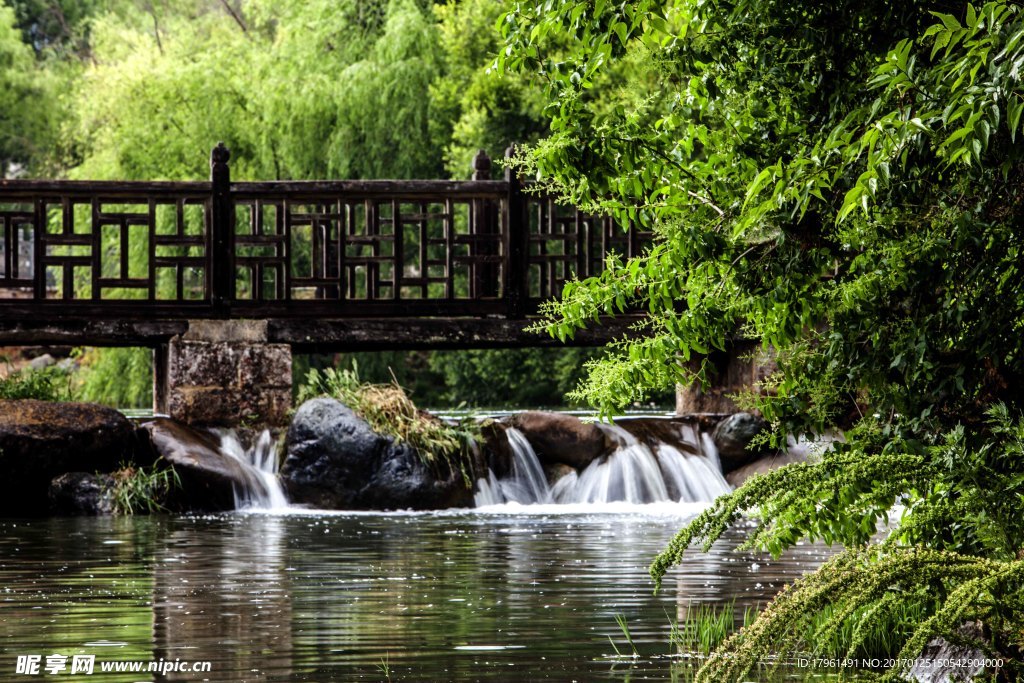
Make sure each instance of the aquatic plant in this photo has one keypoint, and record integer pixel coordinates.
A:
(137, 490)
(389, 410)
(620, 619)
(385, 668)
(706, 627)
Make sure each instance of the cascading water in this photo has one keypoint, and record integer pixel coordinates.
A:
(262, 488)
(526, 483)
(631, 473)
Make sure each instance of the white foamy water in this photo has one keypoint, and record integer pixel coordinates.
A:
(262, 489)
(632, 474)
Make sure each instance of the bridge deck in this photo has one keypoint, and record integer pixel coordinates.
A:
(340, 264)
(318, 335)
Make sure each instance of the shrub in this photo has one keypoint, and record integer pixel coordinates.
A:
(47, 384)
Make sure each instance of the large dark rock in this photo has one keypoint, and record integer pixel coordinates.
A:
(336, 461)
(402, 481)
(81, 493)
(41, 440)
(682, 433)
(560, 438)
(207, 477)
(497, 451)
(732, 437)
(331, 454)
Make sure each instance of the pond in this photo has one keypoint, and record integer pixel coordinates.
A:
(507, 593)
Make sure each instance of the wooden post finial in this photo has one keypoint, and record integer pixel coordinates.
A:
(219, 157)
(481, 166)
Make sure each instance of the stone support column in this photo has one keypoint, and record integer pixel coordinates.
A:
(224, 373)
(740, 369)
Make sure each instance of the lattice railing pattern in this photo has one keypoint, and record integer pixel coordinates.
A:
(563, 243)
(374, 248)
(360, 249)
(82, 246)
(17, 230)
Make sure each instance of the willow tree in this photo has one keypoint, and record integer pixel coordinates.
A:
(320, 89)
(840, 182)
(28, 117)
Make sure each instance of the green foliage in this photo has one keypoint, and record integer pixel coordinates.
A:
(138, 490)
(475, 108)
(953, 555)
(48, 384)
(510, 377)
(388, 410)
(480, 378)
(882, 636)
(55, 27)
(28, 121)
(840, 183)
(120, 378)
(864, 588)
(154, 100)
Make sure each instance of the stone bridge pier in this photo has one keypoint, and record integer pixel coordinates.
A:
(224, 373)
(741, 369)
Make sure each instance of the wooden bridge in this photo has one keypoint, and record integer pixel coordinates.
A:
(375, 264)
(224, 280)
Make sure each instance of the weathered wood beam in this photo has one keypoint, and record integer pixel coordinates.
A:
(89, 332)
(318, 335)
(107, 190)
(432, 333)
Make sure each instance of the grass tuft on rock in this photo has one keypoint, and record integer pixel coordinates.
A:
(388, 409)
(140, 490)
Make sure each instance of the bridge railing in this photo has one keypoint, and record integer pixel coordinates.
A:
(383, 248)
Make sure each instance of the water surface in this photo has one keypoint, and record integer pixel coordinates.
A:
(491, 595)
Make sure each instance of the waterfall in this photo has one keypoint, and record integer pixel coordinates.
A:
(632, 472)
(262, 488)
(526, 483)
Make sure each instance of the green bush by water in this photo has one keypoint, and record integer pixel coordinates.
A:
(120, 378)
(47, 384)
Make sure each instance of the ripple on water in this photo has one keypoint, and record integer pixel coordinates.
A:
(503, 594)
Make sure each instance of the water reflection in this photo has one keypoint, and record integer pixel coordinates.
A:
(463, 597)
(226, 599)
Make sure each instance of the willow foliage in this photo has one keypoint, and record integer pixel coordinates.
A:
(840, 182)
(28, 121)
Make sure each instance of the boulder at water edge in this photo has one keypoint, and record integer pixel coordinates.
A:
(762, 465)
(207, 476)
(40, 440)
(944, 662)
(82, 493)
(336, 461)
(560, 438)
(732, 438)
